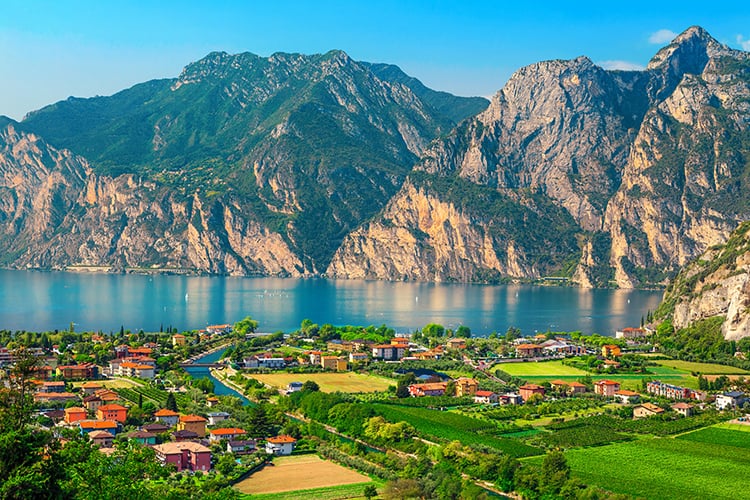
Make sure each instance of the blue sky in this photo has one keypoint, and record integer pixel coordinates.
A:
(50, 50)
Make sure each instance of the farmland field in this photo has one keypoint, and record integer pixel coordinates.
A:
(328, 493)
(704, 368)
(665, 468)
(328, 382)
(449, 426)
(541, 368)
(300, 472)
(720, 436)
(111, 383)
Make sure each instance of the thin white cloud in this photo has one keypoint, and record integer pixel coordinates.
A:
(662, 36)
(745, 44)
(620, 65)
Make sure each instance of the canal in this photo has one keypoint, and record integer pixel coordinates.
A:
(220, 389)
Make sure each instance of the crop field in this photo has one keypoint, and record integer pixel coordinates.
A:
(302, 472)
(112, 383)
(542, 368)
(328, 493)
(328, 382)
(704, 368)
(719, 436)
(665, 468)
(450, 426)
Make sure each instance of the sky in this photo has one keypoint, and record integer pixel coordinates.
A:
(50, 50)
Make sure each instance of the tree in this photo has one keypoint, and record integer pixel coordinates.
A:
(171, 403)
(463, 331)
(311, 386)
(555, 472)
(245, 326)
(433, 330)
(370, 492)
(140, 400)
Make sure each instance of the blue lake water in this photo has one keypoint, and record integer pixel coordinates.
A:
(36, 301)
(219, 388)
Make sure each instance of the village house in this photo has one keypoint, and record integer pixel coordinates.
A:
(184, 455)
(115, 412)
(102, 439)
(558, 385)
(510, 398)
(389, 352)
(167, 417)
(107, 395)
(232, 433)
(142, 437)
(457, 343)
(56, 386)
(611, 365)
(280, 445)
(630, 333)
(60, 397)
(89, 388)
(658, 388)
(82, 371)
(336, 363)
(358, 357)
(92, 403)
(216, 417)
(627, 397)
(74, 414)
(528, 390)
(294, 387)
(185, 435)
(610, 351)
(212, 401)
(730, 400)
(430, 389)
(131, 369)
(646, 410)
(241, 447)
(684, 409)
(220, 329)
(178, 339)
(88, 426)
(528, 350)
(194, 423)
(485, 397)
(155, 428)
(466, 386)
(606, 388)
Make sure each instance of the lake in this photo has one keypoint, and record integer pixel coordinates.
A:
(39, 300)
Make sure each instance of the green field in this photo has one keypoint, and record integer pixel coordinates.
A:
(665, 468)
(450, 426)
(720, 436)
(735, 426)
(704, 368)
(328, 382)
(542, 368)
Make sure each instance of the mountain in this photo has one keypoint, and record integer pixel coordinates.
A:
(716, 285)
(241, 165)
(649, 167)
(299, 165)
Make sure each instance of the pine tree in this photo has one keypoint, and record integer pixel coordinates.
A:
(171, 403)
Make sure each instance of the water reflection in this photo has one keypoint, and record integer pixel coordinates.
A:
(49, 300)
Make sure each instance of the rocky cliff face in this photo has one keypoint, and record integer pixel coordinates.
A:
(650, 164)
(716, 284)
(309, 165)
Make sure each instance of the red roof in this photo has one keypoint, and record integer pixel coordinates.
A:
(166, 413)
(607, 382)
(98, 424)
(531, 387)
(484, 394)
(192, 418)
(112, 407)
(281, 439)
(227, 431)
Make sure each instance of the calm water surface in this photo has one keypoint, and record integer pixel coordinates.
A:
(33, 300)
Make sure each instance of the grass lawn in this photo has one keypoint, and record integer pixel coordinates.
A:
(300, 472)
(735, 426)
(329, 382)
(704, 368)
(665, 468)
(540, 368)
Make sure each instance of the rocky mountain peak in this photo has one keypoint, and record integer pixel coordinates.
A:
(687, 53)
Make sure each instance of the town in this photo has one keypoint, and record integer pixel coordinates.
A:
(363, 409)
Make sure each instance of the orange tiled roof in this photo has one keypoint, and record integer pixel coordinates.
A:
(166, 413)
(192, 418)
(281, 439)
(228, 430)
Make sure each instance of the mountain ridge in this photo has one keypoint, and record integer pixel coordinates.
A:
(631, 173)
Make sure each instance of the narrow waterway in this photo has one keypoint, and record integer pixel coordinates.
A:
(220, 389)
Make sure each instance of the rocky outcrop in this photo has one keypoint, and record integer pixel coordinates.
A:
(716, 284)
(650, 164)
